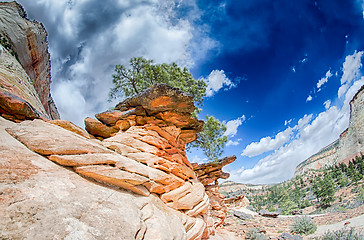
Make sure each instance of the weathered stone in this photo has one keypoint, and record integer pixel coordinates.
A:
(14, 107)
(126, 139)
(266, 213)
(188, 136)
(210, 172)
(111, 117)
(200, 208)
(36, 194)
(181, 120)
(29, 40)
(48, 139)
(116, 177)
(160, 98)
(98, 129)
(185, 197)
(123, 125)
(119, 147)
(71, 127)
(242, 215)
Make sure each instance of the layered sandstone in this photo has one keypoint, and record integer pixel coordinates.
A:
(349, 144)
(28, 42)
(43, 200)
(208, 173)
(145, 157)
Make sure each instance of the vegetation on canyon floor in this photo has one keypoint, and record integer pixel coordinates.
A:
(335, 188)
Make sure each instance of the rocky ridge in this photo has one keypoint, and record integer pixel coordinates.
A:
(27, 40)
(349, 144)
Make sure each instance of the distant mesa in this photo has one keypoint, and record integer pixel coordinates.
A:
(349, 144)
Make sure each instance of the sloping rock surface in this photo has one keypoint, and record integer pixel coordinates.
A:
(34, 190)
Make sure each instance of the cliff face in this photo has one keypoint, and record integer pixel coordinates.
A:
(349, 144)
(28, 41)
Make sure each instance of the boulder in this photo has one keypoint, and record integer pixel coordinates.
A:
(15, 108)
(71, 127)
(266, 213)
(98, 129)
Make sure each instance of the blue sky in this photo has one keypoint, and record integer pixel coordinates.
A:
(280, 73)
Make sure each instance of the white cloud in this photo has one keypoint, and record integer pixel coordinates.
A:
(327, 104)
(309, 98)
(88, 37)
(309, 135)
(197, 159)
(233, 143)
(287, 122)
(267, 144)
(324, 80)
(217, 80)
(232, 126)
(351, 71)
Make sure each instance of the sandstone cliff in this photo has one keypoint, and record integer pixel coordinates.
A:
(27, 40)
(349, 144)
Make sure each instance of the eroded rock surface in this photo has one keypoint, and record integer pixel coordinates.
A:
(42, 200)
(208, 173)
(28, 41)
(146, 157)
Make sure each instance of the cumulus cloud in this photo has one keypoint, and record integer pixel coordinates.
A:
(267, 144)
(217, 80)
(324, 80)
(309, 98)
(351, 71)
(232, 126)
(87, 38)
(233, 143)
(311, 133)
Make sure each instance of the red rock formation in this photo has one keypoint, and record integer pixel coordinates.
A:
(28, 40)
(208, 173)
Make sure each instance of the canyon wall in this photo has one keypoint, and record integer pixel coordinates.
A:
(349, 144)
(27, 41)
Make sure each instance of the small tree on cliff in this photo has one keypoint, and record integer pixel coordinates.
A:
(143, 74)
(212, 139)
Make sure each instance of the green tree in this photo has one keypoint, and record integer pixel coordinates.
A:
(212, 139)
(143, 73)
(324, 189)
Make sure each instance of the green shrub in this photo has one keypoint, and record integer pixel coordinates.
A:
(345, 234)
(255, 234)
(304, 225)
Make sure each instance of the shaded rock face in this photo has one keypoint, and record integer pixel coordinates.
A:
(349, 144)
(28, 39)
(208, 173)
(18, 98)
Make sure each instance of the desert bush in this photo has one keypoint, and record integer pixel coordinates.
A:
(344, 234)
(255, 234)
(303, 225)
